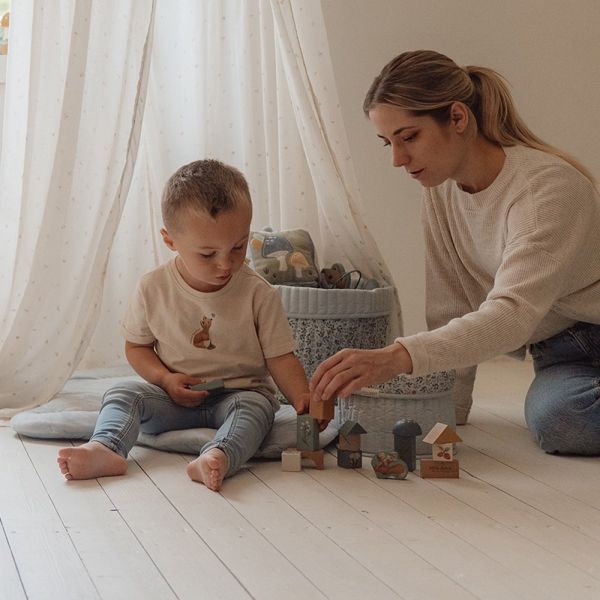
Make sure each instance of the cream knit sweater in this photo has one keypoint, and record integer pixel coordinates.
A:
(510, 265)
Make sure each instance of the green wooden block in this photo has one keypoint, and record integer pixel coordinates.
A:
(307, 430)
(216, 385)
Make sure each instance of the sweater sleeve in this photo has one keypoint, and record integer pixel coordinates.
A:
(546, 231)
(446, 295)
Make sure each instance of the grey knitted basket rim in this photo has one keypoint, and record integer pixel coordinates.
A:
(319, 303)
(403, 396)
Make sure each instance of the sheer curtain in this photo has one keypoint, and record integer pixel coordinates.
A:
(254, 87)
(250, 83)
(76, 81)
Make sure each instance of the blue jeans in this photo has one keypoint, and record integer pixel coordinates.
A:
(242, 419)
(562, 407)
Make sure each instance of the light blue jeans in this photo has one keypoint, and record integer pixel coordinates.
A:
(562, 407)
(242, 419)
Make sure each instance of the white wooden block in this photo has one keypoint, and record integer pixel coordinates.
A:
(291, 460)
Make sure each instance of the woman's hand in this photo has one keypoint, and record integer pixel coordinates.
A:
(351, 369)
(177, 386)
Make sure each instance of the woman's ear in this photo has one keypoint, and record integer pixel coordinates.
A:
(167, 239)
(459, 116)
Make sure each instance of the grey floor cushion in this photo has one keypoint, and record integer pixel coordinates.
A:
(73, 412)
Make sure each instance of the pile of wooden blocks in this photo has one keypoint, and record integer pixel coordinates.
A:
(387, 465)
(307, 438)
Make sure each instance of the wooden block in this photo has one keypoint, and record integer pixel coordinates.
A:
(307, 433)
(317, 456)
(216, 385)
(291, 460)
(349, 459)
(349, 442)
(322, 411)
(439, 469)
(387, 465)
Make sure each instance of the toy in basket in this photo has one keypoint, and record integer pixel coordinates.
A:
(346, 311)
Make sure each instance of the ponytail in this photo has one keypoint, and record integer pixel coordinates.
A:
(498, 120)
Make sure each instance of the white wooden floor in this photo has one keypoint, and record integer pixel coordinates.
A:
(517, 524)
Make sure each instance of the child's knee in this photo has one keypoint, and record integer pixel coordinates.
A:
(263, 406)
(126, 391)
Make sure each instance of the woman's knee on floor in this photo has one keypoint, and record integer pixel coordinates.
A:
(564, 424)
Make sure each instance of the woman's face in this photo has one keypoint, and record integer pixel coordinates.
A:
(431, 152)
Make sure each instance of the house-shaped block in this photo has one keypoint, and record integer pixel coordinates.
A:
(350, 433)
(442, 438)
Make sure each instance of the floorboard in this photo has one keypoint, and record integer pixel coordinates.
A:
(517, 524)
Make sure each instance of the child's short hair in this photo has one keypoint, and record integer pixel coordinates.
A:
(203, 186)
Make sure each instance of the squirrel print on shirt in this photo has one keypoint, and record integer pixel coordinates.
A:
(201, 337)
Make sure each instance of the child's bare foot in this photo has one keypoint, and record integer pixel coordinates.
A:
(89, 461)
(209, 468)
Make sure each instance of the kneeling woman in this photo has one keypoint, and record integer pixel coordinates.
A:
(512, 231)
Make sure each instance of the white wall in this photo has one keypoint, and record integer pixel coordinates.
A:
(2, 91)
(549, 50)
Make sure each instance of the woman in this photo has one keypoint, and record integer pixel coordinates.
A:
(512, 231)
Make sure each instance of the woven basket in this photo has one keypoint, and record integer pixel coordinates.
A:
(326, 320)
(426, 400)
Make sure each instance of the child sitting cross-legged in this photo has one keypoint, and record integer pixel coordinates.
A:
(202, 316)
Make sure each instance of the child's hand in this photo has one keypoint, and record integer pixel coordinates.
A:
(301, 403)
(177, 386)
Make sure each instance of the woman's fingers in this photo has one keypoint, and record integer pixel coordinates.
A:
(335, 373)
(316, 382)
(351, 369)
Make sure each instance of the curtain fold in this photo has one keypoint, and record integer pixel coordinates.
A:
(67, 181)
(250, 84)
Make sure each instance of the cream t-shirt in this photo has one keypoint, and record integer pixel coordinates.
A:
(225, 334)
(508, 266)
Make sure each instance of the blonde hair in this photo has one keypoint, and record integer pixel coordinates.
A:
(427, 82)
(202, 186)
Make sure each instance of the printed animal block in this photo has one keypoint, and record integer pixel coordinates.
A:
(291, 460)
(387, 465)
(307, 430)
(349, 459)
(439, 469)
(317, 456)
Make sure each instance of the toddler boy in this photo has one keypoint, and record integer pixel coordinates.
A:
(203, 316)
